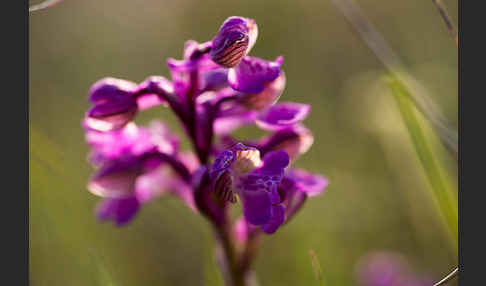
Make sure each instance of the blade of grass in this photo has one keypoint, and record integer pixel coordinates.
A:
(440, 182)
(448, 277)
(393, 63)
(317, 267)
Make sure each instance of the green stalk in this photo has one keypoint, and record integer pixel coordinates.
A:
(441, 185)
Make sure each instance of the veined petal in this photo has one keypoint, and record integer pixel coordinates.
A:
(282, 115)
(258, 189)
(251, 75)
(229, 166)
(235, 38)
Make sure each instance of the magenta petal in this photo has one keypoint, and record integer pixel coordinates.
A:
(227, 124)
(116, 179)
(307, 182)
(154, 91)
(120, 211)
(110, 115)
(108, 89)
(252, 74)
(278, 217)
(282, 115)
(257, 207)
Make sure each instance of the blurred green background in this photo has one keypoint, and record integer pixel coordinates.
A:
(378, 197)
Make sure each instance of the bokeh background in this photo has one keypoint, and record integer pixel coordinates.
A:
(378, 198)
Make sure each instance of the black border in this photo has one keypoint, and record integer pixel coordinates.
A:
(15, 149)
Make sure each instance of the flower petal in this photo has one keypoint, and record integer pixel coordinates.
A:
(275, 162)
(270, 94)
(111, 115)
(295, 140)
(282, 115)
(278, 218)
(232, 121)
(235, 38)
(252, 74)
(120, 211)
(111, 89)
(257, 207)
(116, 179)
(307, 182)
(154, 91)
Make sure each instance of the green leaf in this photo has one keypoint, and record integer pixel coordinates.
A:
(443, 190)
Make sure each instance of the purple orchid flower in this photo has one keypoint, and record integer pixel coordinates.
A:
(241, 171)
(214, 89)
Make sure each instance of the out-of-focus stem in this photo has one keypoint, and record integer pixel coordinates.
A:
(442, 189)
(250, 250)
(448, 277)
(227, 257)
(447, 20)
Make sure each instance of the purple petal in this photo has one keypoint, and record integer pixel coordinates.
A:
(235, 38)
(282, 115)
(275, 162)
(153, 92)
(109, 89)
(307, 182)
(270, 94)
(132, 141)
(230, 122)
(154, 184)
(120, 211)
(116, 179)
(252, 74)
(295, 140)
(257, 207)
(278, 217)
(163, 181)
(221, 164)
(266, 177)
(162, 138)
(194, 50)
(214, 80)
(111, 115)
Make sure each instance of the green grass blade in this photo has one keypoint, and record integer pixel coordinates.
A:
(442, 187)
